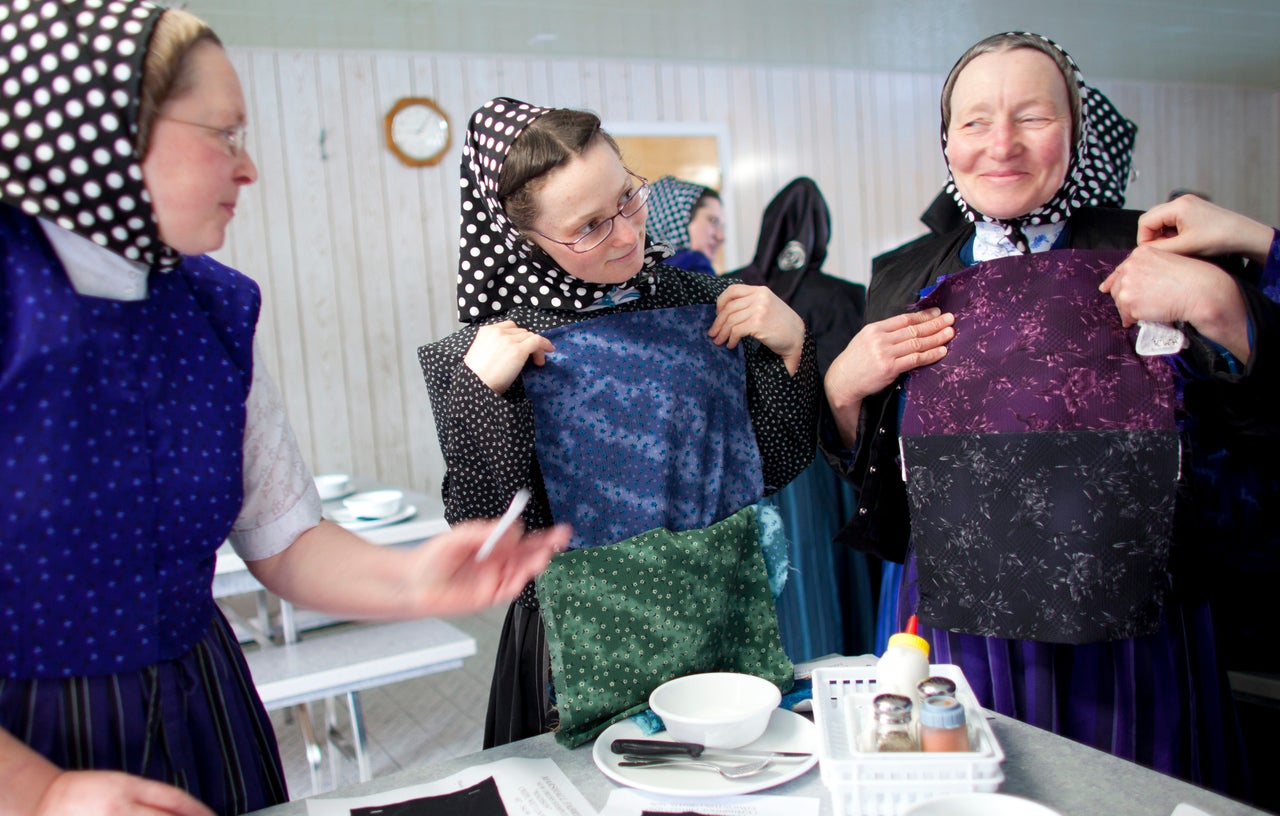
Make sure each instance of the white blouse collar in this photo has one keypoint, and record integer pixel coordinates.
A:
(96, 271)
(990, 241)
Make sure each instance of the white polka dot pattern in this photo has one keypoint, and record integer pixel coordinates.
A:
(1098, 172)
(68, 120)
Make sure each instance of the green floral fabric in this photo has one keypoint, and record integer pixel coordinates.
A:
(625, 618)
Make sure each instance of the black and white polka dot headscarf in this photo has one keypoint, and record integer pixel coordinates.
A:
(71, 71)
(1099, 168)
(497, 268)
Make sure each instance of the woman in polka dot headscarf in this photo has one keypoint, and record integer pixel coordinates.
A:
(626, 394)
(689, 218)
(140, 432)
(992, 365)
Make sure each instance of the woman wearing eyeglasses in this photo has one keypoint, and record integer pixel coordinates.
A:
(627, 395)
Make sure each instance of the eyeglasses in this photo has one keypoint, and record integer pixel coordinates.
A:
(594, 237)
(234, 135)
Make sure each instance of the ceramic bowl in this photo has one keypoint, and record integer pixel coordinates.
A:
(373, 504)
(716, 709)
(332, 485)
(980, 804)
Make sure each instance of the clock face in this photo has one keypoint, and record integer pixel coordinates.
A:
(418, 131)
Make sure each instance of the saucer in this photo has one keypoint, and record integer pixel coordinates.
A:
(787, 731)
(355, 523)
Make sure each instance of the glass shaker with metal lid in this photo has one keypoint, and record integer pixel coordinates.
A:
(893, 723)
(933, 686)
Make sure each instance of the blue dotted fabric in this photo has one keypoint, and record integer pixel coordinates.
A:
(120, 458)
(642, 422)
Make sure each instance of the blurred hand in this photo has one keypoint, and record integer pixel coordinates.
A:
(1189, 225)
(1164, 287)
(500, 350)
(755, 311)
(107, 793)
(877, 355)
(448, 580)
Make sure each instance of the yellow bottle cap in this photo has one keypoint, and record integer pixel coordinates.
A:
(908, 639)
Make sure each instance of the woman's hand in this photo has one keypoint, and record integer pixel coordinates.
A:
(108, 793)
(447, 579)
(1163, 287)
(755, 311)
(1189, 225)
(500, 351)
(877, 355)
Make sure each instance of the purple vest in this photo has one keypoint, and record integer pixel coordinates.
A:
(121, 451)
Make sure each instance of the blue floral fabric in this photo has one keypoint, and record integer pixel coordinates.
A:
(614, 437)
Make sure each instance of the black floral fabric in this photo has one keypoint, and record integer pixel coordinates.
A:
(1041, 457)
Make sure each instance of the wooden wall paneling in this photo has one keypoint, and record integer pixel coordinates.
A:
(246, 242)
(565, 78)
(320, 332)
(425, 290)
(283, 308)
(354, 147)
(397, 281)
(644, 94)
(845, 182)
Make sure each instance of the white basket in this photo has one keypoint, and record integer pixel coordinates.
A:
(866, 783)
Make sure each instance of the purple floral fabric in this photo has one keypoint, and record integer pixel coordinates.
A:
(1042, 458)
(1037, 348)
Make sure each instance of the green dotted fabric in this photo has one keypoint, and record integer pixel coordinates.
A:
(623, 619)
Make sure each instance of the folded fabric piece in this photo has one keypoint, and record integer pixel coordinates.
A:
(1041, 457)
(625, 618)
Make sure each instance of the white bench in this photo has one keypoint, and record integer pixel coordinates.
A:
(344, 663)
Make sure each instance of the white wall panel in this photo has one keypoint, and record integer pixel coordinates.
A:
(356, 253)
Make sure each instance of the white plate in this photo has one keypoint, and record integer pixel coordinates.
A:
(980, 804)
(787, 731)
(349, 520)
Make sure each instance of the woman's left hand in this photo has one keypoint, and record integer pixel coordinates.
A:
(1163, 287)
(755, 311)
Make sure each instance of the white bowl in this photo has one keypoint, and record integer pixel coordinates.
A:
(980, 804)
(332, 485)
(716, 709)
(374, 504)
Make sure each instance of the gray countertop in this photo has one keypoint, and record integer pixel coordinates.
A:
(1065, 775)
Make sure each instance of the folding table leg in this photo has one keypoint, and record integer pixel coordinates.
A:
(314, 753)
(358, 735)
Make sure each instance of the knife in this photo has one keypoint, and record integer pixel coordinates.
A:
(646, 747)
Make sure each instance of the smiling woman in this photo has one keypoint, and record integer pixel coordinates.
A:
(994, 365)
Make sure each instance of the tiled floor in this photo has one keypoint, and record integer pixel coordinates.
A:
(413, 723)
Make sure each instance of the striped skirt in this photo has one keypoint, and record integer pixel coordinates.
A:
(195, 722)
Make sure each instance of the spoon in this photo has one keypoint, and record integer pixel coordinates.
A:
(727, 771)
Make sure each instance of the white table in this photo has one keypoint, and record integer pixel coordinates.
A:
(1072, 778)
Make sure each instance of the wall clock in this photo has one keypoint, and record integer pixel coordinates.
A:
(417, 131)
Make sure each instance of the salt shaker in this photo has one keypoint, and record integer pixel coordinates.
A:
(893, 723)
(942, 724)
(932, 686)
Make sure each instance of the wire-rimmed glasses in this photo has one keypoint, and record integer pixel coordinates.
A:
(597, 235)
(234, 135)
